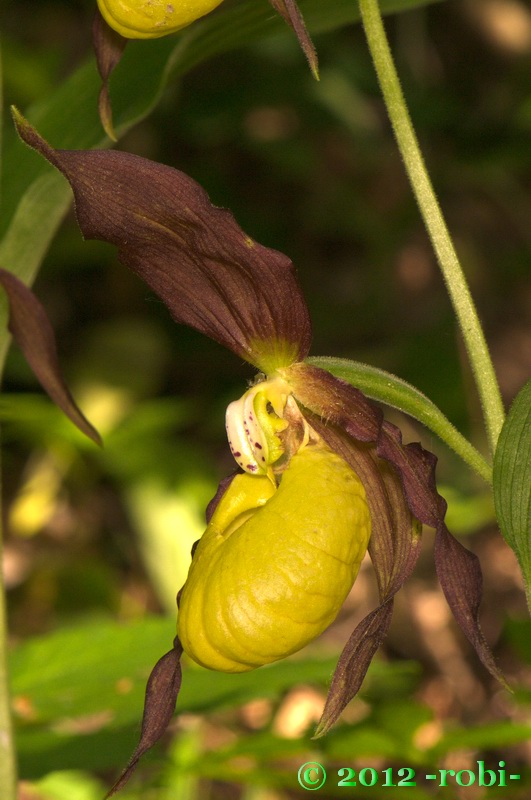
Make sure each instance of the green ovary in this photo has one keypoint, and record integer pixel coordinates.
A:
(150, 19)
(274, 565)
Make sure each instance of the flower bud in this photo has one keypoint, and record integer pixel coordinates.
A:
(274, 564)
(150, 19)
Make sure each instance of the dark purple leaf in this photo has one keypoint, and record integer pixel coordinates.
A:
(34, 335)
(208, 272)
(162, 690)
(109, 47)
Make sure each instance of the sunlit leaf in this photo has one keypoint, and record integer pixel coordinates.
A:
(78, 706)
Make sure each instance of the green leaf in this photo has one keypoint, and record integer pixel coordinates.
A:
(512, 482)
(70, 785)
(1, 116)
(393, 391)
(518, 633)
(78, 693)
(82, 688)
(490, 736)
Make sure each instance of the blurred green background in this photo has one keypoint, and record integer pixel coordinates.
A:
(97, 542)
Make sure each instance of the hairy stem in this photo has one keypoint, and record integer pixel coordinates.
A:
(454, 277)
(388, 389)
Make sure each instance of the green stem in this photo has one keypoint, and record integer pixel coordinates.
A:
(454, 277)
(388, 389)
(8, 764)
(8, 770)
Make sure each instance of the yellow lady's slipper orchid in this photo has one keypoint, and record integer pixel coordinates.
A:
(323, 469)
(266, 581)
(151, 19)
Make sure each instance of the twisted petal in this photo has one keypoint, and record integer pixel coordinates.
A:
(458, 569)
(335, 408)
(290, 11)
(108, 47)
(162, 689)
(394, 549)
(33, 333)
(194, 256)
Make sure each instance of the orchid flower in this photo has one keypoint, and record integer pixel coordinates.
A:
(322, 477)
(118, 21)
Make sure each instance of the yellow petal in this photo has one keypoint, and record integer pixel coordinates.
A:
(266, 580)
(150, 19)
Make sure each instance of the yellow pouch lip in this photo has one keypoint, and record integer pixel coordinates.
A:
(138, 19)
(271, 585)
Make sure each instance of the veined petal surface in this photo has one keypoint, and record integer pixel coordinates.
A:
(194, 256)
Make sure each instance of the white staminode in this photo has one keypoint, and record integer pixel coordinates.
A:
(252, 424)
